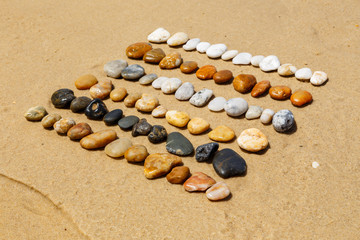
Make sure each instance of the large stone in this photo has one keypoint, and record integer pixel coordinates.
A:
(137, 50)
(62, 98)
(227, 163)
(98, 140)
(85, 82)
(198, 182)
(118, 147)
(154, 56)
(113, 68)
(178, 144)
(159, 164)
(35, 113)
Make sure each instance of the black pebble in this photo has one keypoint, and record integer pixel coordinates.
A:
(62, 98)
(227, 163)
(96, 110)
(112, 118)
(79, 104)
(128, 122)
(141, 128)
(206, 151)
(177, 144)
(157, 134)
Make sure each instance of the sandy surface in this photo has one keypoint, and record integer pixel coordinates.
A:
(51, 188)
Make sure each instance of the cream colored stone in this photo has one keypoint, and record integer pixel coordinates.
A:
(63, 125)
(178, 39)
(318, 78)
(159, 112)
(146, 103)
(287, 69)
(218, 191)
(49, 120)
(252, 140)
(198, 126)
(118, 147)
(177, 118)
(222, 134)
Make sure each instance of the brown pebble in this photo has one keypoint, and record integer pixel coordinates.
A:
(243, 83)
(159, 164)
(300, 98)
(260, 88)
(137, 50)
(118, 94)
(223, 76)
(198, 182)
(172, 60)
(280, 92)
(206, 72)
(102, 89)
(49, 120)
(85, 82)
(131, 99)
(154, 55)
(79, 131)
(189, 66)
(178, 175)
(136, 153)
(98, 140)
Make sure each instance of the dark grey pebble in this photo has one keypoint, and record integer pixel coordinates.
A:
(79, 104)
(141, 128)
(62, 98)
(157, 134)
(177, 144)
(112, 117)
(96, 110)
(133, 72)
(128, 122)
(227, 163)
(206, 151)
(283, 120)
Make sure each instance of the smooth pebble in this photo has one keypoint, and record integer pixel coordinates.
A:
(133, 72)
(185, 91)
(270, 63)
(286, 69)
(230, 54)
(252, 140)
(79, 131)
(206, 72)
(154, 56)
(244, 83)
(85, 82)
(283, 120)
(218, 191)
(138, 50)
(159, 164)
(235, 107)
(147, 79)
(63, 125)
(178, 144)
(223, 76)
(255, 60)
(260, 88)
(202, 47)
(113, 68)
(217, 104)
(158, 82)
(253, 112)
(197, 125)
(228, 163)
(303, 74)
(216, 50)
(300, 98)
(178, 175)
(112, 117)
(146, 103)
(159, 112)
(243, 58)
(79, 104)
(62, 98)
(136, 153)
(318, 78)
(170, 61)
(198, 182)
(160, 35)
(177, 118)
(131, 99)
(222, 134)
(118, 94)
(102, 89)
(49, 120)
(35, 113)
(170, 85)
(202, 97)
(98, 139)
(117, 148)
(191, 44)
(128, 122)
(96, 109)
(188, 67)
(266, 116)
(177, 39)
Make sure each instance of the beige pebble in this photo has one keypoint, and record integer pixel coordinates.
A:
(198, 182)
(102, 89)
(159, 112)
(131, 99)
(98, 140)
(136, 153)
(287, 69)
(118, 94)
(177, 118)
(218, 191)
(146, 103)
(85, 82)
(198, 126)
(117, 148)
(159, 164)
(79, 131)
(252, 140)
(35, 113)
(63, 125)
(49, 120)
(222, 134)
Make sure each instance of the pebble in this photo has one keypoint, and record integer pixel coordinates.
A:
(222, 134)
(270, 63)
(260, 88)
(191, 44)
(157, 134)
(177, 39)
(147, 79)
(170, 85)
(128, 122)
(158, 82)
(178, 144)
(112, 117)
(198, 126)
(185, 91)
(102, 89)
(223, 76)
(49, 120)
(198, 182)
(253, 112)
(146, 103)
(230, 54)
(218, 191)
(154, 56)
(206, 72)
(318, 78)
(244, 83)
(178, 175)
(118, 94)
(202, 97)
(216, 50)
(62, 98)
(141, 128)
(79, 104)
(300, 98)
(79, 131)
(252, 140)
(35, 113)
(98, 140)
(63, 125)
(96, 110)
(136, 153)
(159, 112)
(131, 99)
(206, 151)
(170, 61)
(159, 164)
(202, 47)
(85, 82)
(303, 74)
(160, 35)
(235, 107)
(133, 72)
(177, 118)
(315, 164)
(113, 68)
(287, 69)
(117, 148)
(255, 60)
(266, 116)
(188, 66)
(243, 58)
(138, 50)
(217, 104)
(227, 163)
(283, 120)
(280, 92)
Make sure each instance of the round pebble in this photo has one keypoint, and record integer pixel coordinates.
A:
(255, 60)
(300, 98)
(188, 66)
(280, 92)
(201, 98)
(128, 122)
(62, 98)
(170, 85)
(287, 69)
(198, 126)
(96, 109)
(118, 94)
(198, 182)
(244, 83)
(185, 91)
(243, 58)
(117, 148)
(98, 140)
(252, 140)
(315, 164)
(216, 50)
(230, 54)
(136, 154)
(223, 76)
(253, 112)
(49, 120)
(112, 117)
(147, 79)
(63, 125)
(178, 175)
(159, 35)
(235, 107)
(85, 82)
(217, 104)
(137, 50)
(218, 191)
(206, 151)
(303, 74)
(266, 116)
(102, 89)
(270, 63)
(159, 164)
(177, 39)
(159, 112)
(146, 103)
(133, 72)
(35, 113)
(222, 134)
(318, 78)
(191, 44)
(154, 56)
(113, 68)
(131, 99)
(79, 104)
(177, 118)
(158, 82)
(79, 131)
(283, 120)
(206, 72)
(170, 61)
(202, 47)
(260, 88)
(228, 163)
(157, 134)
(141, 128)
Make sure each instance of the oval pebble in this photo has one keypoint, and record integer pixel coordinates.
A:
(201, 98)
(185, 91)
(98, 139)
(177, 39)
(217, 104)
(96, 109)
(146, 103)
(131, 99)
(177, 118)
(159, 112)
(128, 122)
(118, 94)
(318, 78)
(222, 134)
(218, 191)
(158, 82)
(286, 69)
(202, 47)
(300, 98)
(133, 72)
(117, 148)
(303, 74)
(206, 72)
(197, 125)
(113, 68)
(63, 125)
(35, 113)
(178, 144)
(253, 112)
(159, 35)
(188, 66)
(216, 50)
(236, 107)
(79, 131)
(191, 44)
(283, 120)
(112, 117)
(49, 120)
(141, 128)
(260, 88)
(243, 58)
(138, 50)
(147, 79)
(102, 89)
(85, 82)
(154, 56)
(136, 153)
(244, 83)
(170, 85)
(230, 54)
(178, 175)
(223, 76)
(79, 104)
(170, 61)
(255, 60)
(228, 163)
(270, 63)
(252, 140)
(62, 98)
(280, 92)
(266, 116)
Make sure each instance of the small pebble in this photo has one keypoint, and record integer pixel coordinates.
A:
(218, 191)
(159, 112)
(303, 74)
(244, 83)
(223, 76)
(201, 98)
(191, 44)
(198, 126)
(206, 151)
(117, 148)
(235, 107)
(170, 61)
(154, 56)
(252, 140)
(300, 98)
(112, 117)
(255, 60)
(260, 88)
(270, 63)
(79, 131)
(217, 104)
(62, 98)
(136, 153)
(178, 175)
(99, 139)
(177, 118)
(188, 66)
(141, 128)
(280, 92)
(177, 39)
(49, 120)
(253, 112)
(128, 122)
(131, 99)
(206, 72)
(96, 109)
(138, 50)
(222, 134)
(158, 82)
(170, 85)
(230, 54)
(227, 163)
(198, 182)
(315, 164)
(63, 125)
(79, 104)
(35, 113)
(157, 134)
(113, 68)
(159, 164)
(159, 35)
(216, 50)
(102, 89)
(147, 79)
(118, 94)
(287, 69)
(266, 116)
(243, 58)
(185, 91)
(85, 82)
(133, 72)
(318, 78)
(146, 103)
(202, 47)
(283, 120)
(178, 144)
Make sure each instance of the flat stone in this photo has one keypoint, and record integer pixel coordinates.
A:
(197, 125)
(318, 78)
(244, 83)
(202, 47)
(146, 103)
(216, 50)
(170, 85)
(206, 151)
(206, 72)
(102, 89)
(222, 134)
(178, 175)
(113, 68)
(62, 98)
(303, 74)
(79, 104)
(159, 112)
(147, 79)
(157, 134)
(133, 72)
(198, 182)
(99, 139)
(217, 104)
(177, 39)
(252, 140)
(223, 76)
(228, 55)
(131, 99)
(188, 67)
(191, 44)
(300, 98)
(170, 61)
(117, 148)
(136, 154)
(185, 91)
(49, 120)
(177, 118)
(177, 144)
(159, 35)
(96, 109)
(287, 69)
(280, 92)
(35, 113)
(270, 63)
(243, 58)
(158, 82)
(201, 98)
(112, 117)
(266, 116)
(235, 107)
(79, 131)
(154, 56)
(218, 191)
(128, 122)
(63, 125)
(85, 82)
(260, 88)
(159, 164)
(118, 94)
(138, 50)
(227, 163)
(256, 60)
(283, 120)
(253, 112)
(141, 128)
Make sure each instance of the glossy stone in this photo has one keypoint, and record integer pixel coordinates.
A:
(159, 164)
(96, 110)
(256, 60)
(170, 61)
(98, 140)
(49, 120)
(223, 76)
(85, 82)
(178, 144)
(137, 50)
(147, 79)
(202, 47)
(283, 120)
(113, 68)
(118, 147)
(222, 134)
(131, 99)
(112, 117)
(79, 104)
(62, 98)
(197, 125)
(102, 89)
(300, 98)
(146, 103)
(188, 66)
(206, 72)
(141, 128)
(242, 58)
(218, 191)
(201, 98)
(154, 56)
(177, 118)
(227, 163)
(79, 131)
(157, 134)
(185, 91)
(303, 74)
(206, 151)
(280, 92)
(35, 113)
(198, 182)
(128, 122)
(178, 175)
(118, 94)
(228, 55)
(133, 72)
(252, 140)
(63, 125)
(159, 112)
(260, 88)
(244, 83)
(136, 153)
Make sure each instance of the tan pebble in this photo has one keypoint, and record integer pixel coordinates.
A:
(198, 125)
(137, 50)
(218, 191)
(63, 125)
(136, 153)
(159, 164)
(131, 99)
(35, 113)
(159, 112)
(206, 72)
(252, 140)
(146, 103)
(300, 98)
(189, 66)
(198, 182)
(154, 55)
(172, 60)
(222, 134)
(117, 148)
(177, 118)
(49, 120)
(79, 131)
(287, 69)
(280, 92)
(85, 82)
(178, 175)
(118, 94)
(260, 88)
(244, 83)
(223, 76)
(102, 89)
(98, 140)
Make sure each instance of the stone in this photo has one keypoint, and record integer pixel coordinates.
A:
(283, 120)
(318, 78)
(62, 98)
(102, 89)
(118, 94)
(147, 79)
(260, 88)
(178, 144)
(222, 134)
(223, 76)
(266, 116)
(300, 98)
(49, 120)
(217, 104)
(85, 82)
(228, 55)
(133, 72)
(303, 74)
(177, 118)
(202, 47)
(252, 140)
(137, 50)
(253, 112)
(270, 63)
(280, 92)
(191, 44)
(158, 82)
(159, 164)
(146, 103)
(201, 98)
(79, 104)
(79, 131)
(244, 83)
(286, 69)
(206, 72)
(98, 139)
(185, 91)
(157, 134)
(177, 39)
(136, 153)
(170, 85)
(218, 191)
(178, 175)
(188, 67)
(159, 112)
(118, 147)
(63, 125)
(170, 61)
(131, 99)
(235, 107)
(255, 60)
(198, 182)
(112, 117)
(141, 128)
(96, 110)
(154, 56)
(206, 152)
(35, 113)
(160, 35)
(243, 58)
(198, 126)
(128, 122)
(227, 163)
(113, 68)
(216, 50)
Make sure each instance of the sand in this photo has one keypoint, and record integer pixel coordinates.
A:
(51, 188)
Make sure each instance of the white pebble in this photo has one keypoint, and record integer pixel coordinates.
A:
(202, 47)
(318, 78)
(253, 112)
(185, 91)
(287, 69)
(217, 104)
(236, 106)
(170, 85)
(200, 98)
(303, 74)
(113, 68)
(267, 116)
(315, 164)
(216, 50)
(191, 44)
(177, 39)
(255, 60)
(230, 54)
(159, 35)
(158, 82)
(242, 58)
(270, 63)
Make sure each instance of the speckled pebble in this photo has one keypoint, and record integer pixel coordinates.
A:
(157, 134)
(286, 69)
(141, 128)
(63, 125)
(113, 68)
(253, 112)
(170, 61)
(283, 120)
(206, 151)
(201, 98)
